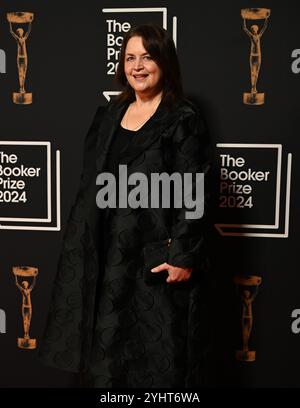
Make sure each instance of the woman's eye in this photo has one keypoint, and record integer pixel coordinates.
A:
(148, 57)
(129, 58)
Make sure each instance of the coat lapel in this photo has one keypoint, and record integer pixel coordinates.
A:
(110, 123)
(106, 131)
(107, 127)
(160, 121)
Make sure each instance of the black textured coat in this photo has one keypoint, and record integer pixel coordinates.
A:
(104, 319)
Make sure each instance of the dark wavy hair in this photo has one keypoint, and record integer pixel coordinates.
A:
(160, 45)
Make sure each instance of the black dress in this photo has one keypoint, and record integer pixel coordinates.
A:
(121, 141)
(145, 336)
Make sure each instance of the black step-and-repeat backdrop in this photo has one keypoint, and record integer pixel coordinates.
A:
(241, 64)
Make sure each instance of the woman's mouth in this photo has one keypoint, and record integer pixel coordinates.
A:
(140, 77)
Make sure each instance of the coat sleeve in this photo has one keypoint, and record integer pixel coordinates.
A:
(190, 154)
(75, 225)
(88, 171)
(64, 337)
(89, 147)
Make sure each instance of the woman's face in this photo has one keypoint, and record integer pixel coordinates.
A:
(142, 72)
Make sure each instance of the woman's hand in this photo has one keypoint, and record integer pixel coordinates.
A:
(176, 274)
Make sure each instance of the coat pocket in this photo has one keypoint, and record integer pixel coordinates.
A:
(154, 254)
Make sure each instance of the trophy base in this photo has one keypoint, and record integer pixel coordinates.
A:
(245, 355)
(22, 98)
(253, 98)
(26, 343)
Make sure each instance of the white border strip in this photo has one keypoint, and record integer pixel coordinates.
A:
(108, 94)
(140, 10)
(175, 30)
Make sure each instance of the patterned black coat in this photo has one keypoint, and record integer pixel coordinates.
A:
(106, 321)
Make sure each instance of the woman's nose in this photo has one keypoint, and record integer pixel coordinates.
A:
(138, 63)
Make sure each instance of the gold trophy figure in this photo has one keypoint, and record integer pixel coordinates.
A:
(25, 288)
(255, 34)
(22, 97)
(248, 288)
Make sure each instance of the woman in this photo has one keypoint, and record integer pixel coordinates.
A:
(108, 318)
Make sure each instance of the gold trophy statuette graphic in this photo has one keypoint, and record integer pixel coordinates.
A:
(248, 288)
(26, 287)
(255, 33)
(22, 97)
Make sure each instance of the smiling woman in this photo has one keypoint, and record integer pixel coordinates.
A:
(142, 72)
(149, 66)
(108, 320)
(145, 78)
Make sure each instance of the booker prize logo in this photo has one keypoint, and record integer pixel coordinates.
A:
(25, 278)
(255, 33)
(21, 18)
(255, 190)
(28, 195)
(247, 287)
